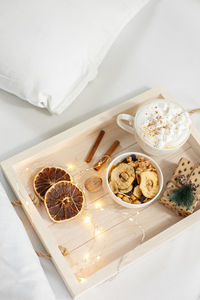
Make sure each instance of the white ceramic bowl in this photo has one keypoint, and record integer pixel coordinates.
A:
(120, 158)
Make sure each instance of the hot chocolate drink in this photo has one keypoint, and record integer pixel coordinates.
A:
(162, 124)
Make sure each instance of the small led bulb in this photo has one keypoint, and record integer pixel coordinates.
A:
(86, 256)
(87, 219)
(98, 204)
(70, 166)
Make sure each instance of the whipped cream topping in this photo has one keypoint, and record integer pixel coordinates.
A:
(163, 124)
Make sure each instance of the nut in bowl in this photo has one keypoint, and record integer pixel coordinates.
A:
(134, 180)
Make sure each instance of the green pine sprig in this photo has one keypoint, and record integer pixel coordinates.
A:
(183, 196)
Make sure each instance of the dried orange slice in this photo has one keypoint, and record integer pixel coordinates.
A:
(46, 177)
(64, 201)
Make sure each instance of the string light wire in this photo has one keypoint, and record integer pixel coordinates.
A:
(97, 231)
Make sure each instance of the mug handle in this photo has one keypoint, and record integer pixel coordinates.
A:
(125, 117)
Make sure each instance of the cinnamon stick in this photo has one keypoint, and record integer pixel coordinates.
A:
(106, 156)
(95, 146)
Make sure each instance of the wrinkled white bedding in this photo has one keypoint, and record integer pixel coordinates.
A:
(161, 46)
(50, 50)
(21, 275)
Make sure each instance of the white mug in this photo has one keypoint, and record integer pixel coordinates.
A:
(129, 124)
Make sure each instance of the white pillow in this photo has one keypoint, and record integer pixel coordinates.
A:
(50, 49)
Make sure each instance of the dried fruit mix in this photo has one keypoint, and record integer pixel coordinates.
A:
(134, 180)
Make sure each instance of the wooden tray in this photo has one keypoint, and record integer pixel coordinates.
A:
(116, 236)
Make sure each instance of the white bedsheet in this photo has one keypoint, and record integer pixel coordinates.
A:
(21, 275)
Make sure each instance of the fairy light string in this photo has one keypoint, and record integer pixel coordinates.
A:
(96, 248)
(87, 258)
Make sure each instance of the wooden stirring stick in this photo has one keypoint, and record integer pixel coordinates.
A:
(106, 156)
(95, 146)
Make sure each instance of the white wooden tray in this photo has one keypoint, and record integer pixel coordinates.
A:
(106, 237)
